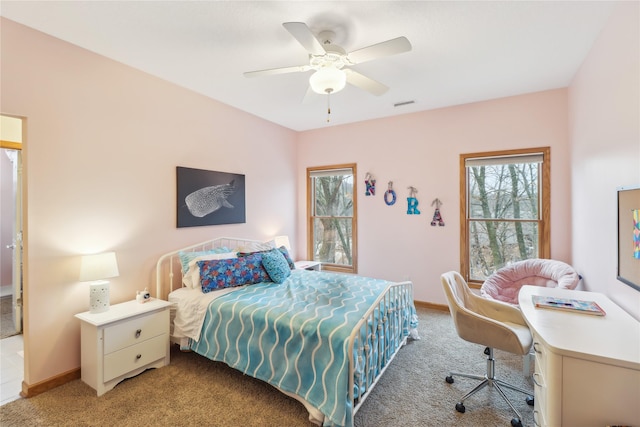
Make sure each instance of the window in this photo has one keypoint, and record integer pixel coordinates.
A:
(505, 215)
(331, 207)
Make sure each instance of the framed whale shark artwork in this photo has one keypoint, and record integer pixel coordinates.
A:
(209, 197)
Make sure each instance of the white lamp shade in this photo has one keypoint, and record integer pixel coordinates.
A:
(279, 241)
(98, 267)
(327, 80)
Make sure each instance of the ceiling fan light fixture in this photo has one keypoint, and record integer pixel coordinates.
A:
(328, 80)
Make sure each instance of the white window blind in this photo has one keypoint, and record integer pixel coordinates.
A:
(330, 172)
(503, 160)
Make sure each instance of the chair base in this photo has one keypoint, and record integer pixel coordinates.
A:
(490, 380)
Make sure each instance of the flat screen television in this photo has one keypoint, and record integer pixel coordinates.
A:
(629, 236)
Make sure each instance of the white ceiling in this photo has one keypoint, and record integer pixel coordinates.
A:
(462, 51)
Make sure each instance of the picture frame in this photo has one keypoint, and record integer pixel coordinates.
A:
(628, 237)
(207, 197)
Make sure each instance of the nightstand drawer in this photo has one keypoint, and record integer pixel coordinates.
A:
(122, 342)
(135, 330)
(130, 358)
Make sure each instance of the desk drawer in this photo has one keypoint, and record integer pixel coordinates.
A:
(133, 331)
(540, 394)
(133, 357)
(540, 379)
(541, 358)
(538, 418)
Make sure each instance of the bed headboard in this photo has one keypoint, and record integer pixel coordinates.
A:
(169, 269)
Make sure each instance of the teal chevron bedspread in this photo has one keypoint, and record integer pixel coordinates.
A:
(294, 335)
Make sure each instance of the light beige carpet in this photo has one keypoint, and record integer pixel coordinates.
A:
(193, 391)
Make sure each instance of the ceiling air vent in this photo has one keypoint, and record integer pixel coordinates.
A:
(400, 104)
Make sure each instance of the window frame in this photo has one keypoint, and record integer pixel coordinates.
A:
(544, 226)
(353, 268)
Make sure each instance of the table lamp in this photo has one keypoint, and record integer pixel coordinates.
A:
(94, 269)
(279, 241)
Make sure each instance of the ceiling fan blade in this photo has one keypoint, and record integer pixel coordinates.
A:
(388, 48)
(283, 70)
(364, 82)
(301, 32)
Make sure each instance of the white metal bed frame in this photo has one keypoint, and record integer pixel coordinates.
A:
(399, 296)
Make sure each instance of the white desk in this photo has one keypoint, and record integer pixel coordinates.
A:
(587, 367)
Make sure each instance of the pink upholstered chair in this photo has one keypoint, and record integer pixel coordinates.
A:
(504, 284)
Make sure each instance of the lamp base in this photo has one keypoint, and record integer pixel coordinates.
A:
(99, 296)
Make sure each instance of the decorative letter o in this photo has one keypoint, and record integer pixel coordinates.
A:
(393, 197)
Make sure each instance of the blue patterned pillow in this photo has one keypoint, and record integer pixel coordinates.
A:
(282, 250)
(187, 257)
(227, 273)
(276, 265)
(285, 252)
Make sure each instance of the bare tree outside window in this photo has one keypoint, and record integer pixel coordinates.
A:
(503, 221)
(332, 216)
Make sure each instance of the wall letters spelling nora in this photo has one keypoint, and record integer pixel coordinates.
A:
(412, 201)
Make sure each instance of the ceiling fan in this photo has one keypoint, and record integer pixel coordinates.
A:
(331, 63)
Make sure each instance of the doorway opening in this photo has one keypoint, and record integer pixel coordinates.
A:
(11, 249)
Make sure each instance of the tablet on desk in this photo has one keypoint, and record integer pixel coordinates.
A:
(568, 304)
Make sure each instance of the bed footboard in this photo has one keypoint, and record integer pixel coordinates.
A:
(376, 339)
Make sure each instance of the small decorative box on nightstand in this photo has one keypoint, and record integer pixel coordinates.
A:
(308, 265)
(123, 342)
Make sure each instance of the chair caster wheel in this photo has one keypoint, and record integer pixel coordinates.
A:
(460, 408)
(515, 422)
(530, 400)
(449, 379)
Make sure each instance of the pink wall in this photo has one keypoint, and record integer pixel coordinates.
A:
(103, 141)
(102, 144)
(604, 123)
(422, 150)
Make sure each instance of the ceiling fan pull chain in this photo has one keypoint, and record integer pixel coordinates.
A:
(328, 106)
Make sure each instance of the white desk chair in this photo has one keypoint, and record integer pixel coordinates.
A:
(490, 323)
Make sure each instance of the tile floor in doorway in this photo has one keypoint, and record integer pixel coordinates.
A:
(11, 368)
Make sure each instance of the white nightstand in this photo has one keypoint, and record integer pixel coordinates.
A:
(308, 265)
(123, 342)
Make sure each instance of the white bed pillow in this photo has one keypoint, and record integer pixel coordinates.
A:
(191, 278)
